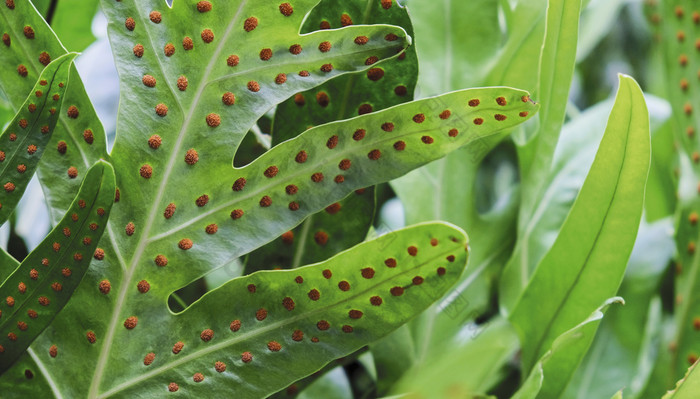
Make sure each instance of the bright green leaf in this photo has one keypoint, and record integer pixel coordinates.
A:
(589, 256)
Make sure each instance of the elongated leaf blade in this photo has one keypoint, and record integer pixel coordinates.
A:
(271, 328)
(43, 283)
(536, 154)
(26, 138)
(588, 258)
(78, 139)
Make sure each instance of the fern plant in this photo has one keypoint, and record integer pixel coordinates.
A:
(195, 77)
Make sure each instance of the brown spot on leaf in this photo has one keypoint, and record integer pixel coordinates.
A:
(250, 24)
(138, 50)
(374, 74)
(143, 286)
(149, 358)
(322, 98)
(169, 49)
(261, 314)
(220, 367)
(333, 208)
(182, 83)
(191, 156)
(364, 109)
(203, 6)
(207, 35)
(286, 9)
(161, 260)
(28, 32)
(155, 17)
(321, 238)
(91, 337)
(105, 287)
(314, 295)
(344, 285)
(317, 177)
(246, 357)
(253, 86)
(73, 112)
(178, 347)
(235, 325)
(187, 43)
(131, 322)
(288, 303)
(355, 314)
(232, 60)
(374, 155)
(207, 335)
(327, 274)
(161, 110)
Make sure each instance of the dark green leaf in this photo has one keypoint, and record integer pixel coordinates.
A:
(25, 139)
(43, 283)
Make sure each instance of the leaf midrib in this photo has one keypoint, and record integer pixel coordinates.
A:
(270, 327)
(130, 270)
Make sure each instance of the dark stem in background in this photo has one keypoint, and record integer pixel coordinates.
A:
(51, 11)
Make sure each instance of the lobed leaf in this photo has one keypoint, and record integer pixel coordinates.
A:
(257, 334)
(588, 259)
(392, 82)
(25, 139)
(78, 140)
(43, 283)
(172, 222)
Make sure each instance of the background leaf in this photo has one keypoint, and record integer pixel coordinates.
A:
(535, 154)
